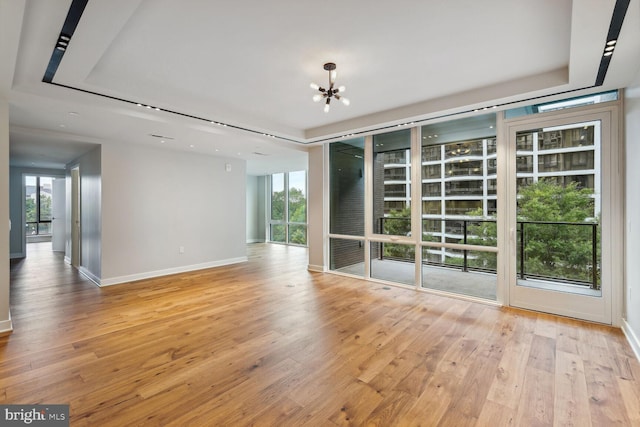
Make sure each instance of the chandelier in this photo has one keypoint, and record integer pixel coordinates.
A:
(331, 92)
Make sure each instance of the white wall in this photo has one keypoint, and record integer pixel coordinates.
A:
(156, 201)
(256, 208)
(5, 317)
(90, 213)
(11, 12)
(315, 218)
(632, 208)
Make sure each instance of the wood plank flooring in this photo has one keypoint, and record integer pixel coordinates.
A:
(268, 343)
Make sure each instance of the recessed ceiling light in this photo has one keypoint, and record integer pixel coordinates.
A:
(62, 126)
(611, 42)
(162, 142)
(609, 48)
(73, 113)
(608, 53)
(192, 146)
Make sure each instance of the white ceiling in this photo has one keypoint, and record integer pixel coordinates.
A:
(249, 64)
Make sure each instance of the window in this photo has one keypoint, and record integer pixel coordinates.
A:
(288, 208)
(38, 196)
(347, 191)
(346, 206)
(391, 167)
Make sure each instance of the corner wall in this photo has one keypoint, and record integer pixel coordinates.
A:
(631, 326)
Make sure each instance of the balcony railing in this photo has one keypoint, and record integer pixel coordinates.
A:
(564, 252)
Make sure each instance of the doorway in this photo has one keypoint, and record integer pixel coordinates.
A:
(563, 194)
(44, 212)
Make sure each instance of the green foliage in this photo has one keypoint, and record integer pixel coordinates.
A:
(398, 223)
(31, 213)
(562, 251)
(297, 213)
(45, 207)
(297, 206)
(277, 233)
(277, 205)
(557, 250)
(482, 233)
(548, 201)
(298, 234)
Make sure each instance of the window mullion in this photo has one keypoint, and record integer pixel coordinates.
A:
(416, 199)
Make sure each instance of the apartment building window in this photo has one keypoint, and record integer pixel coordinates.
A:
(288, 208)
(432, 189)
(392, 163)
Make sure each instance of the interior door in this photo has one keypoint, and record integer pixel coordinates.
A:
(58, 215)
(560, 214)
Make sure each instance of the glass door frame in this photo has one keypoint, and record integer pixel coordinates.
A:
(607, 308)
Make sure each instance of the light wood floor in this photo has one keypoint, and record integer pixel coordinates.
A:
(268, 343)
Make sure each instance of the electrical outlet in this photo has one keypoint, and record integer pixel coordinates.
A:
(181, 249)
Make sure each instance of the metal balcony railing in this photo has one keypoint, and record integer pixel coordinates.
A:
(564, 252)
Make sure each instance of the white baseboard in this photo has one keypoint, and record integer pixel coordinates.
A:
(315, 268)
(14, 255)
(6, 325)
(185, 269)
(89, 275)
(632, 338)
(255, 240)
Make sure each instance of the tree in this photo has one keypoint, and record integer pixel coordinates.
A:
(484, 232)
(548, 201)
(297, 214)
(297, 206)
(564, 249)
(31, 215)
(398, 223)
(277, 205)
(553, 227)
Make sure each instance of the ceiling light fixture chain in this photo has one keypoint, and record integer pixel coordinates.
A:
(329, 93)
